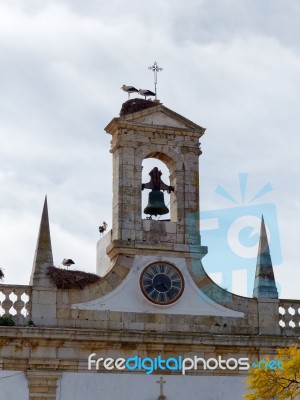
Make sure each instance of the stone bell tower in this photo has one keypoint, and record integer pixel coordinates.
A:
(147, 129)
(154, 302)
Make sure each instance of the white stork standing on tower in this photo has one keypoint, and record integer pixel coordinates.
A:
(146, 93)
(67, 262)
(129, 90)
(102, 228)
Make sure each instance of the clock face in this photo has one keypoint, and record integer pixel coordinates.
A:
(162, 283)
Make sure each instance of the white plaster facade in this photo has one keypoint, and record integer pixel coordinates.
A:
(109, 386)
(103, 261)
(129, 297)
(13, 385)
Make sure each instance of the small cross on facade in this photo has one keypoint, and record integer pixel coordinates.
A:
(155, 68)
(161, 391)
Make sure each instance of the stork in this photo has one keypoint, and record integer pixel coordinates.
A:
(67, 262)
(146, 93)
(129, 90)
(102, 228)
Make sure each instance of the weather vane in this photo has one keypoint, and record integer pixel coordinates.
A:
(155, 68)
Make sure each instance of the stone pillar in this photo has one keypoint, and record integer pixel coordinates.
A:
(42, 384)
(268, 316)
(43, 305)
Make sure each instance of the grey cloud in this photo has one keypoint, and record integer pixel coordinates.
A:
(230, 66)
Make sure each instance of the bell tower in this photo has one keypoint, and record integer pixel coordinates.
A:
(147, 129)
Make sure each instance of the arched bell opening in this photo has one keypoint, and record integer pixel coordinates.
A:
(158, 193)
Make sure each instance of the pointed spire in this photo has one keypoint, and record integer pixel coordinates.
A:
(264, 285)
(43, 257)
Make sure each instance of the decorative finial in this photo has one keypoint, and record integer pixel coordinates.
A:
(43, 257)
(264, 285)
(155, 68)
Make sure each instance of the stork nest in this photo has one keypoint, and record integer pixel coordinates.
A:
(134, 105)
(64, 279)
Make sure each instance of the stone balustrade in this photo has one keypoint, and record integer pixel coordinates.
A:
(15, 301)
(289, 312)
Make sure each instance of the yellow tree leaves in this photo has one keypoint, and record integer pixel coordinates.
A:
(276, 384)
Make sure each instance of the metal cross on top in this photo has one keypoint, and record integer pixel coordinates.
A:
(155, 68)
(161, 392)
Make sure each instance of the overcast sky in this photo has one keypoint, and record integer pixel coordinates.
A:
(231, 66)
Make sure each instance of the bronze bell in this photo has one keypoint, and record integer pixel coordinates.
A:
(156, 203)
